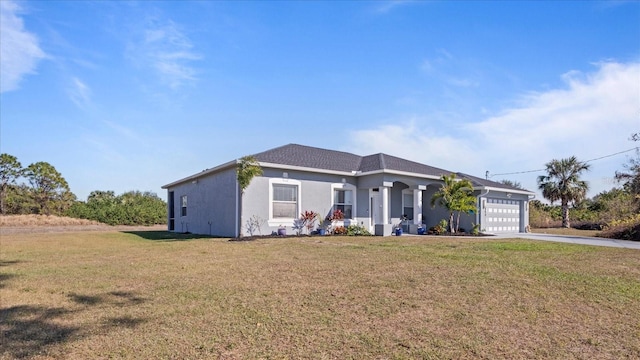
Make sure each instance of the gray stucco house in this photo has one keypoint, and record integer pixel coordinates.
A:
(374, 191)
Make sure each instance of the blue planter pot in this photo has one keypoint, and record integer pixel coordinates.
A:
(398, 231)
(282, 232)
(421, 231)
(322, 231)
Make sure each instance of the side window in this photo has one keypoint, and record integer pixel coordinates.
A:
(343, 201)
(183, 202)
(285, 201)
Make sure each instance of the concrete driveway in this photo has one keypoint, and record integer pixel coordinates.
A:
(584, 240)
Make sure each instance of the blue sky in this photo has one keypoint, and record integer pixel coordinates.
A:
(133, 95)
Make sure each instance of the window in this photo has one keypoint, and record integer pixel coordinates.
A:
(172, 211)
(343, 201)
(285, 201)
(183, 202)
(407, 204)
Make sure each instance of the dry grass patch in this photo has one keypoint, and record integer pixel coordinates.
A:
(564, 231)
(42, 220)
(127, 295)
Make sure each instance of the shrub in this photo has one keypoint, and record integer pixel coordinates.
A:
(130, 208)
(357, 230)
(340, 230)
(254, 224)
(627, 229)
(475, 230)
(439, 229)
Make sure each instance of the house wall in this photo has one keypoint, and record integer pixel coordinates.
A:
(432, 215)
(363, 209)
(316, 195)
(212, 205)
(210, 199)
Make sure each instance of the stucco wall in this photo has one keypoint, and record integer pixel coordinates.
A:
(432, 215)
(316, 195)
(210, 199)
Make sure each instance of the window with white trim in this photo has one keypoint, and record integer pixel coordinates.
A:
(343, 201)
(343, 198)
(285, 201)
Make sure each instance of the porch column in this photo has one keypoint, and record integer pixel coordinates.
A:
(417, 205)
(384, 191)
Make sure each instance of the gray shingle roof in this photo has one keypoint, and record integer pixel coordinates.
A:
(311, 157)
(476, 181)
(399, 164)
(325, 159)
(317, 158)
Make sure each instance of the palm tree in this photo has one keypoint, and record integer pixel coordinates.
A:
(562, 183)
(455, 195)
(247, 168)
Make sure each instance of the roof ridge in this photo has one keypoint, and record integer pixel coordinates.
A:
(383, 164)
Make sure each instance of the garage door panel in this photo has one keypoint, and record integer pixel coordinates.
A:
(502, 216)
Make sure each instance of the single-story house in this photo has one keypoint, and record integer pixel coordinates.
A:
(375, 191)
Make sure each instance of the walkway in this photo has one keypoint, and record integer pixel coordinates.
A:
(584, 240)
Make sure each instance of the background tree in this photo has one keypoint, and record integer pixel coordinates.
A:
(130, 208)
(513, 184)
(10, 171)
(455, 196)
(630, 178)
(562, 183)
(48, 186)
(247, 168)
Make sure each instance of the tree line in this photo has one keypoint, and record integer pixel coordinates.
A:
(40, 189)
(618, 207)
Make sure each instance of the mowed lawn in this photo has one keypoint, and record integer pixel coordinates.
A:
(148, 295)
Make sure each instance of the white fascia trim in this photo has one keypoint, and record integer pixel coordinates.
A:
(202, 173)
(307, 169)
(489, 188)
(396, 172)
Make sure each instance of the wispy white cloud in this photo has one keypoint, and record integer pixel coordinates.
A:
(19, 49)
(123, 131)
(387, 6)
(591, 116)
(163, 46)
(80, 93)
(447, 68)
(600, 108)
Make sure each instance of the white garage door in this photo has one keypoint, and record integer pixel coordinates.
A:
(502, 216)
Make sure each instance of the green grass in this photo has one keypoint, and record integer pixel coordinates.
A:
(564, 231)
(160, 295)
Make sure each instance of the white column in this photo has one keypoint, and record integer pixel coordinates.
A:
(384, 191)
(417, 206)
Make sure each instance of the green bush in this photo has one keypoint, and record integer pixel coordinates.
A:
(357, 230)
(627, 229)
(130, 208)
(340, 230)
(440, 229)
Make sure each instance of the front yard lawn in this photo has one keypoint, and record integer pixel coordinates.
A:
(127, 295)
